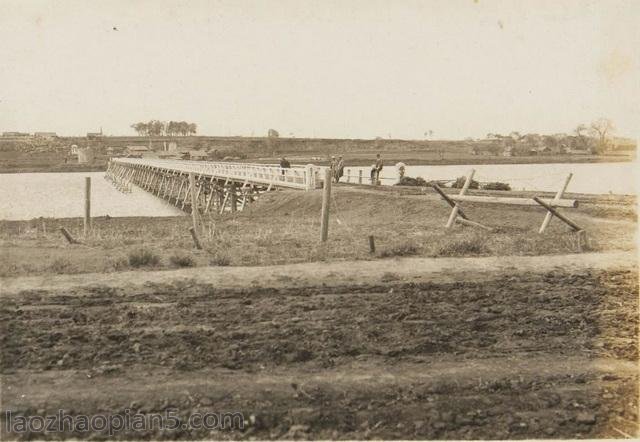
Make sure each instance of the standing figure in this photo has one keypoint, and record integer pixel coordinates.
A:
(284, 164)
(401, 169)
(379, 165)
(339, 169)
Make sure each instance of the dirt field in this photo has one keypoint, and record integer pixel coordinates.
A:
(401, 348)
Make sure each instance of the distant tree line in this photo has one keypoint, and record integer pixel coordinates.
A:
(594, 138)
(160, 128)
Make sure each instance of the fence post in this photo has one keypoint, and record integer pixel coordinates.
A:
(326, 195)
(360, 176)
(372, 244)
(87, 205)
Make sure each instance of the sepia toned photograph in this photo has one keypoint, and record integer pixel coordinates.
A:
(319, 219)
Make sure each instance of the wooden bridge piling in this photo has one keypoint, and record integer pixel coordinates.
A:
(215, 187)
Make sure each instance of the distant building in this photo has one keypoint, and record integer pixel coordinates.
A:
(136, 151)
(45, 135)
(74, 149)
(198, 155)
(94, 135)
(195, 155)
(114, 150)
(168, 155)
(15, 134)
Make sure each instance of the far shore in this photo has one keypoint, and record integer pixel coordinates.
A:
(355, 159)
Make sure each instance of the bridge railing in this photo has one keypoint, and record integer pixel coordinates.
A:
(298, 177)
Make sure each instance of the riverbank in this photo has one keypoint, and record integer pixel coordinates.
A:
(284, 227)
(366, 159)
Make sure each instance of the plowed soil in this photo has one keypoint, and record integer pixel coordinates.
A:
(549, 353)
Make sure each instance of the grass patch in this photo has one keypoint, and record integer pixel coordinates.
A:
(220, 260)
(404, 249)
(61, 265)
(143, 258)
(181, 260)
(463, 247)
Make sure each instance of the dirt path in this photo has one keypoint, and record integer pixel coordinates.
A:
(335, 273)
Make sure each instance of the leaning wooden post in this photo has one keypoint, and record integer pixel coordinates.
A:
(553, 211)
(456, 209)
(547, 218)
(194, 202)
(453, 216)
(196, 240)
(448, 200)
(87, 205)
(326, 198)
(68, 236)
(467, 183)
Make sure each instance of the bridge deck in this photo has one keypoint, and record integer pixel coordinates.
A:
(295, 177)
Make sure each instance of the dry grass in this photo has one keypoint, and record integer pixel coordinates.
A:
(284, 227)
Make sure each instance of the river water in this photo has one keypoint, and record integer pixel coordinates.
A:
(59, 195)
(596, 178)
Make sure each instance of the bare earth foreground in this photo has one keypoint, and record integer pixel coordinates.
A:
(452, 348)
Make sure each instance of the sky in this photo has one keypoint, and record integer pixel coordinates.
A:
(343, 69)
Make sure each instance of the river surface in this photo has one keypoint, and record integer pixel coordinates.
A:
(597, 178)
(25, 196)
(61, 195)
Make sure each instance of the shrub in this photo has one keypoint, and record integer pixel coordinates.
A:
(143, 257)
(180, 260)
(409, 181)
(120, 263)
(496, 186)
(460, 183)
(464, 247)
(220, 259)
(61, 265)
(405, 249)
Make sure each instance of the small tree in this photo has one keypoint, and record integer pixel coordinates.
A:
(600, 130)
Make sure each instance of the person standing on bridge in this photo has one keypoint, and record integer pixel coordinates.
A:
(284, 164)
(339, 169)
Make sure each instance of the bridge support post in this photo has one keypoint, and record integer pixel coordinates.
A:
(87, 206)
(326, 201)
(194, 202)
(233, 200)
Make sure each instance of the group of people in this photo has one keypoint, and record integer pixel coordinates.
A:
(337, 168)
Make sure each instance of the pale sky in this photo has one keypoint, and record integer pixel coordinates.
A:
(347, 69)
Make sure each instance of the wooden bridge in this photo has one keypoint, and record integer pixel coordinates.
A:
(209, 185)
